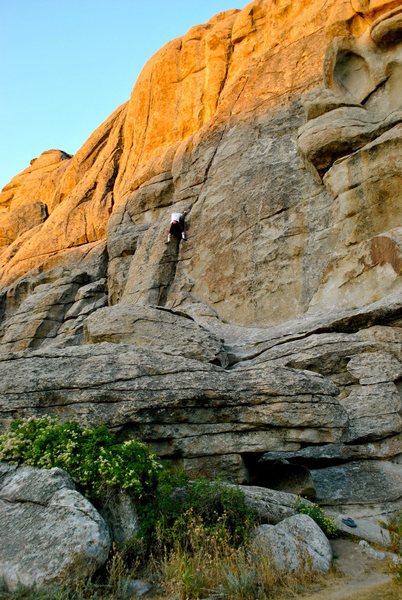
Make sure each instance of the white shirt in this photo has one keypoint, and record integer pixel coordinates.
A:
(175, 217)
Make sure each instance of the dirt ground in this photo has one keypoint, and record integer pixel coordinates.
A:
(357, 577)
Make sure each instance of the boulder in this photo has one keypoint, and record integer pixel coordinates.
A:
(270, 506)
(50, 533)
(154, 328)
(137, 588)
(119, 510)
(360, 528)
(296, 543)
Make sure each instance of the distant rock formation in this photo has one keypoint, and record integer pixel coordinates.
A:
(275, 332)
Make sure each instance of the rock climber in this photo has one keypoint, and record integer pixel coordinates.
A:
(177, 226)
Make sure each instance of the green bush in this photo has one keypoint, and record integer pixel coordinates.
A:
(219, 508)
(93, 457)
(327, 523)
(174, 512)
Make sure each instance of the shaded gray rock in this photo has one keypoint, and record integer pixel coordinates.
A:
(375, 322)
(49, 532)
(366, 365)
(137, 588)
(271, 506)
(351, 562)
(120, 513)
(297, 543)
(282, 475)
(375, 367)
(154, 328)
(38, 317)
(48, 308)
(361, 489)
(230, 467)
(374, 411)
(328, 453)
(378, 554)
(365, 529)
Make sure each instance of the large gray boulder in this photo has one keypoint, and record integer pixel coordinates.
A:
(295, 543)
(49, 531)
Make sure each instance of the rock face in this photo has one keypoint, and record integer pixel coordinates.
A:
(360, 488)
(275, 332)
(56, 534)
(226, 106)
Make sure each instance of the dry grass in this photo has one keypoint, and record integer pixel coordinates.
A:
(205, 563)
(213, 567)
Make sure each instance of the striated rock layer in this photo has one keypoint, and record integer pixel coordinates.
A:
(275, 332)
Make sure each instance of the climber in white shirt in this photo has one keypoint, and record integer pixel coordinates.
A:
(177, 227)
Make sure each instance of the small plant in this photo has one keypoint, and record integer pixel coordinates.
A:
(324, 521)
(93, 457)
(395, 530)
(394, 527)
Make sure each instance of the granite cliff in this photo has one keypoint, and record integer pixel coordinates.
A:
(275, 332)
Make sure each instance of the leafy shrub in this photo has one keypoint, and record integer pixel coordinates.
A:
(92, 457)
(327, 523)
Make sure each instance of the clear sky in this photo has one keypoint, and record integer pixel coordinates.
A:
(65, 65)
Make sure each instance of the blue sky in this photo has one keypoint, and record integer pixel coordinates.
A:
(65, 65)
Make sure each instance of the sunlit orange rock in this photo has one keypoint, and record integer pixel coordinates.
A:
(201, 102)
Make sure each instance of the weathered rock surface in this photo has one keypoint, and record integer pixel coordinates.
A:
(49, 532)
(216, 111)
(275, 332)
(353, 136)
(271, 506)
(184, 407)
(297, 543)
(361, 488)
(150, 327)
(284, 476)
(121, 515)
(365, 529)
